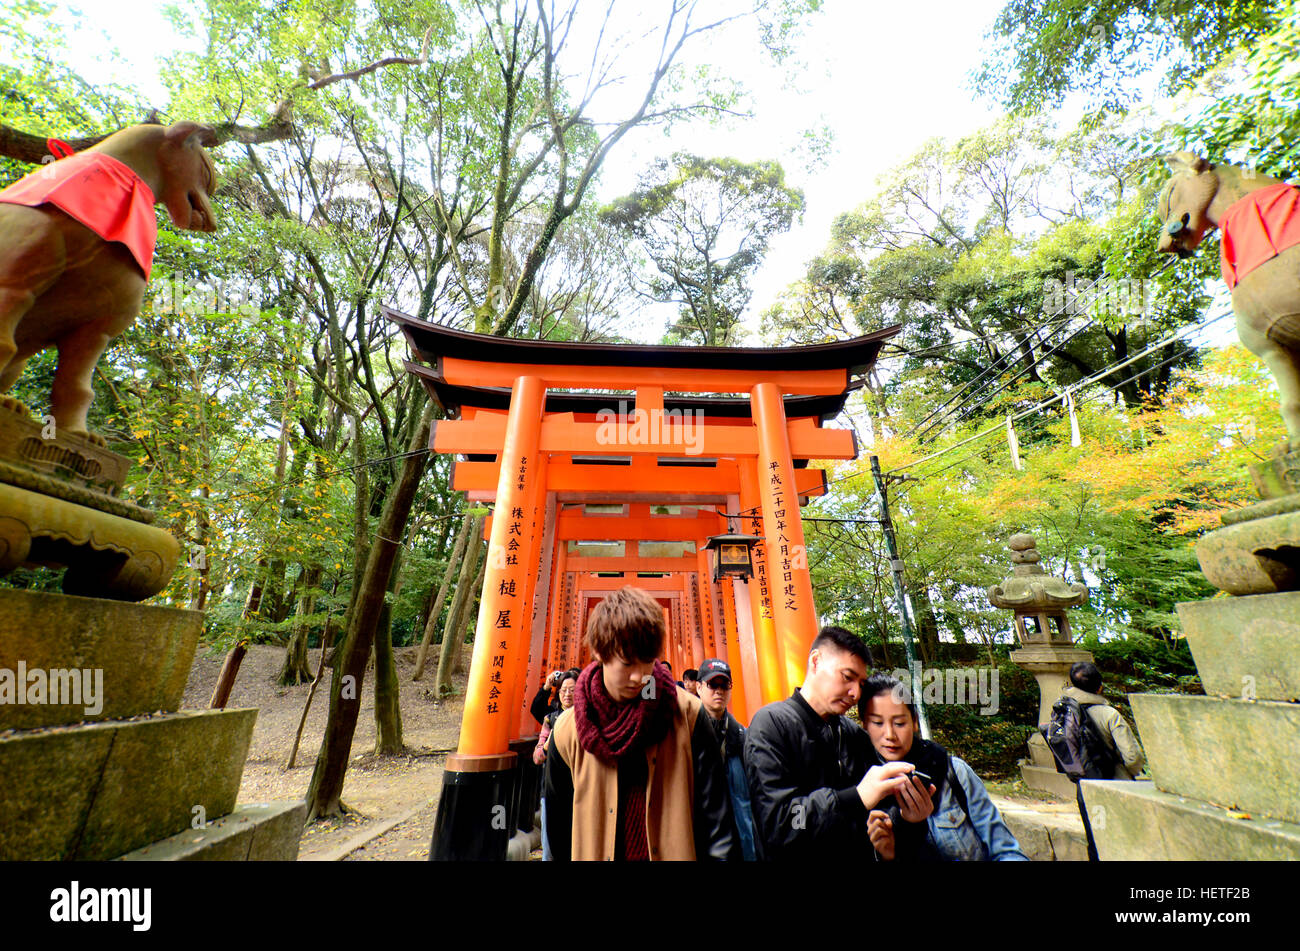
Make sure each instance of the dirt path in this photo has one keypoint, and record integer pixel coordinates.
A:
(380, 789)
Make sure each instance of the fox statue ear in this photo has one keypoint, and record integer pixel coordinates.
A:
(1186, 162)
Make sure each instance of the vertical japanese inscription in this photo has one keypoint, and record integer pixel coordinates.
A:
(760, 566)
(779, 494)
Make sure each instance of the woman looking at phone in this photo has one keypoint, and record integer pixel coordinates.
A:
(964, 825)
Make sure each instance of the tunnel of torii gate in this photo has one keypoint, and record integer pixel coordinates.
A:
(599, 479)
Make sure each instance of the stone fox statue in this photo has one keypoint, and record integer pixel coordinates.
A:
(1259, 218)
(76, 247)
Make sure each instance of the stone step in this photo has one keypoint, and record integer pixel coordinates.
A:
(137, 656)
(1045, 836)
(1235, 753)
(254, 832)
(1246, 646)
(95, 791)
(1137, 822)
(1048, 780)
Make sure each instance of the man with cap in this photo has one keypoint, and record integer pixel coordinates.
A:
(715, 694)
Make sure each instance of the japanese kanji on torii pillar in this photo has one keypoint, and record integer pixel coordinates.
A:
(610, 465)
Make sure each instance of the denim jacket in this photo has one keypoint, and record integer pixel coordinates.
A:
(732, 739)
(979, 836)
(740, 808)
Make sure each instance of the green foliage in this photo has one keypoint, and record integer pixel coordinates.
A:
(990, 744)
(1045, 49)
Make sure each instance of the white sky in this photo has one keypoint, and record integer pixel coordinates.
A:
(881, 77)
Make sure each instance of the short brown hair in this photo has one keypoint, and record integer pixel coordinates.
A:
(628, 624)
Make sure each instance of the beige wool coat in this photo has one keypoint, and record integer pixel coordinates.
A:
(670, 790)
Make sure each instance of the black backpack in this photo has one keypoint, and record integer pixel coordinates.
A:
(1079, 748)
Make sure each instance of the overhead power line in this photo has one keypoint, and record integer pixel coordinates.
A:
(1056, 399)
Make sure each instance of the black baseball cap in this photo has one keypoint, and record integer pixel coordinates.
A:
(714, 668)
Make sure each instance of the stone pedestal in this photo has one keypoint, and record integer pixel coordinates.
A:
(95, 757)
(1139, 822)
(95, 791)
(140, 655)
(1224, 767)
(1050, 665)
(1246, 647)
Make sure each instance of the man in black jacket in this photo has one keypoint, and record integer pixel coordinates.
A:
(809, 782)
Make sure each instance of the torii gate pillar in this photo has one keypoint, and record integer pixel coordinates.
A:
(478, 781)
(787, 559)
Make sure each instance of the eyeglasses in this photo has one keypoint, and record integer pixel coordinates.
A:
(718, 684)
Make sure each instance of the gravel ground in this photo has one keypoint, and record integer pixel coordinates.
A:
(377, 788)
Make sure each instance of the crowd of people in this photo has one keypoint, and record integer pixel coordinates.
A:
(639, 766)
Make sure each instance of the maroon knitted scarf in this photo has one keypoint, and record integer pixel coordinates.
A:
(611, 730)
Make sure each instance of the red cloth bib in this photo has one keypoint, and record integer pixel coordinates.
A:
(105, 195)
(1258, 227)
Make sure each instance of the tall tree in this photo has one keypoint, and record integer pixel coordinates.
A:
(705, 224)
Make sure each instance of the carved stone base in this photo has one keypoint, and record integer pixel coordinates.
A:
(106, 555)
(61, 457)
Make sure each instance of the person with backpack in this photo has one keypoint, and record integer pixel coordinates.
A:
(965, 825)
(1090, 739)
(1120, 754)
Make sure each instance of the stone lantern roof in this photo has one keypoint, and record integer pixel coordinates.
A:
(1030, 590)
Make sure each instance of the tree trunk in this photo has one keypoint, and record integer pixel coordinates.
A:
(325, 792)
(927, 628)
(294, 669)
(388, 710)
(311, 694)
(461, 538)
(453, 632)
(226, 679)
(275, 600)
(470, 625)
(253, 603)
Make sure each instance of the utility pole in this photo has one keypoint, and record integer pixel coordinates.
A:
(887, 524)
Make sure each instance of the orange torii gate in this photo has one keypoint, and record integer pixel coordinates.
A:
(598, 480)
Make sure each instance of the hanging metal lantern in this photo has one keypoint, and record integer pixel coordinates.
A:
(733, 556)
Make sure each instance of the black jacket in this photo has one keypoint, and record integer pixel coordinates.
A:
(543, 704)
(803, 781)
(715, 835)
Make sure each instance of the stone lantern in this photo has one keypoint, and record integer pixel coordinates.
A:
(1039, 601)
